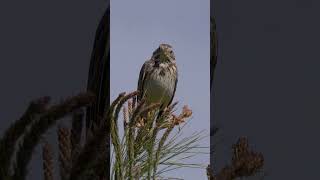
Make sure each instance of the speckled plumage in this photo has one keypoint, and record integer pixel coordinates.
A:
(158, 77)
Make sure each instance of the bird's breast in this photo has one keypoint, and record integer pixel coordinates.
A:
(159, 87)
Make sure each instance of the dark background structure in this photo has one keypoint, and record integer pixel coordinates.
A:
(45, 50)
(266, 83)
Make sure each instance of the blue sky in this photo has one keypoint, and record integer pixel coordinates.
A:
(137, 29)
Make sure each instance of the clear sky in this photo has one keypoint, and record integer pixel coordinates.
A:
(137, 29)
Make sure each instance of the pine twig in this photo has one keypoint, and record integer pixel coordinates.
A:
(64, 152)
(9, 140)
(245, 162)
(130, 149)
(76, 132)
(92, 146)
(186, 113)
(47, 161)
(48, 119)
(115, 135)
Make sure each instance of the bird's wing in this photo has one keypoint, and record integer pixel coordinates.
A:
(174, 90)
(145, 69)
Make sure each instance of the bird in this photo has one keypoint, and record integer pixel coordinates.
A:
(158, 78)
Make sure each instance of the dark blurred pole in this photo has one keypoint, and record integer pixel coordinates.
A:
(99, 84)
(213, 48)
(213, 62)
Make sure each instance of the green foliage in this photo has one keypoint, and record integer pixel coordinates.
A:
(151, 145)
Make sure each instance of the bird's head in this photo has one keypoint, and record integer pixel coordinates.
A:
(164, 53)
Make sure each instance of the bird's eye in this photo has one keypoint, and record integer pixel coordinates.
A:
(171, 52)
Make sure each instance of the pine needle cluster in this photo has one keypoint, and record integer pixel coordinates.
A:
(26, 133)
(244, 163)
(149, 147)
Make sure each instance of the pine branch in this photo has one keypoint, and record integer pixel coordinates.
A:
(9, 140)
(64, 152)
(47, 161)
(76, 132)
(245, 162)
(37, 129)
(92, 146)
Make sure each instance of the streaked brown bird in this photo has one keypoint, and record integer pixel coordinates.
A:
(159, 77)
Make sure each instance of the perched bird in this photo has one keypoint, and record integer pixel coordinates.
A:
(158, 77)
